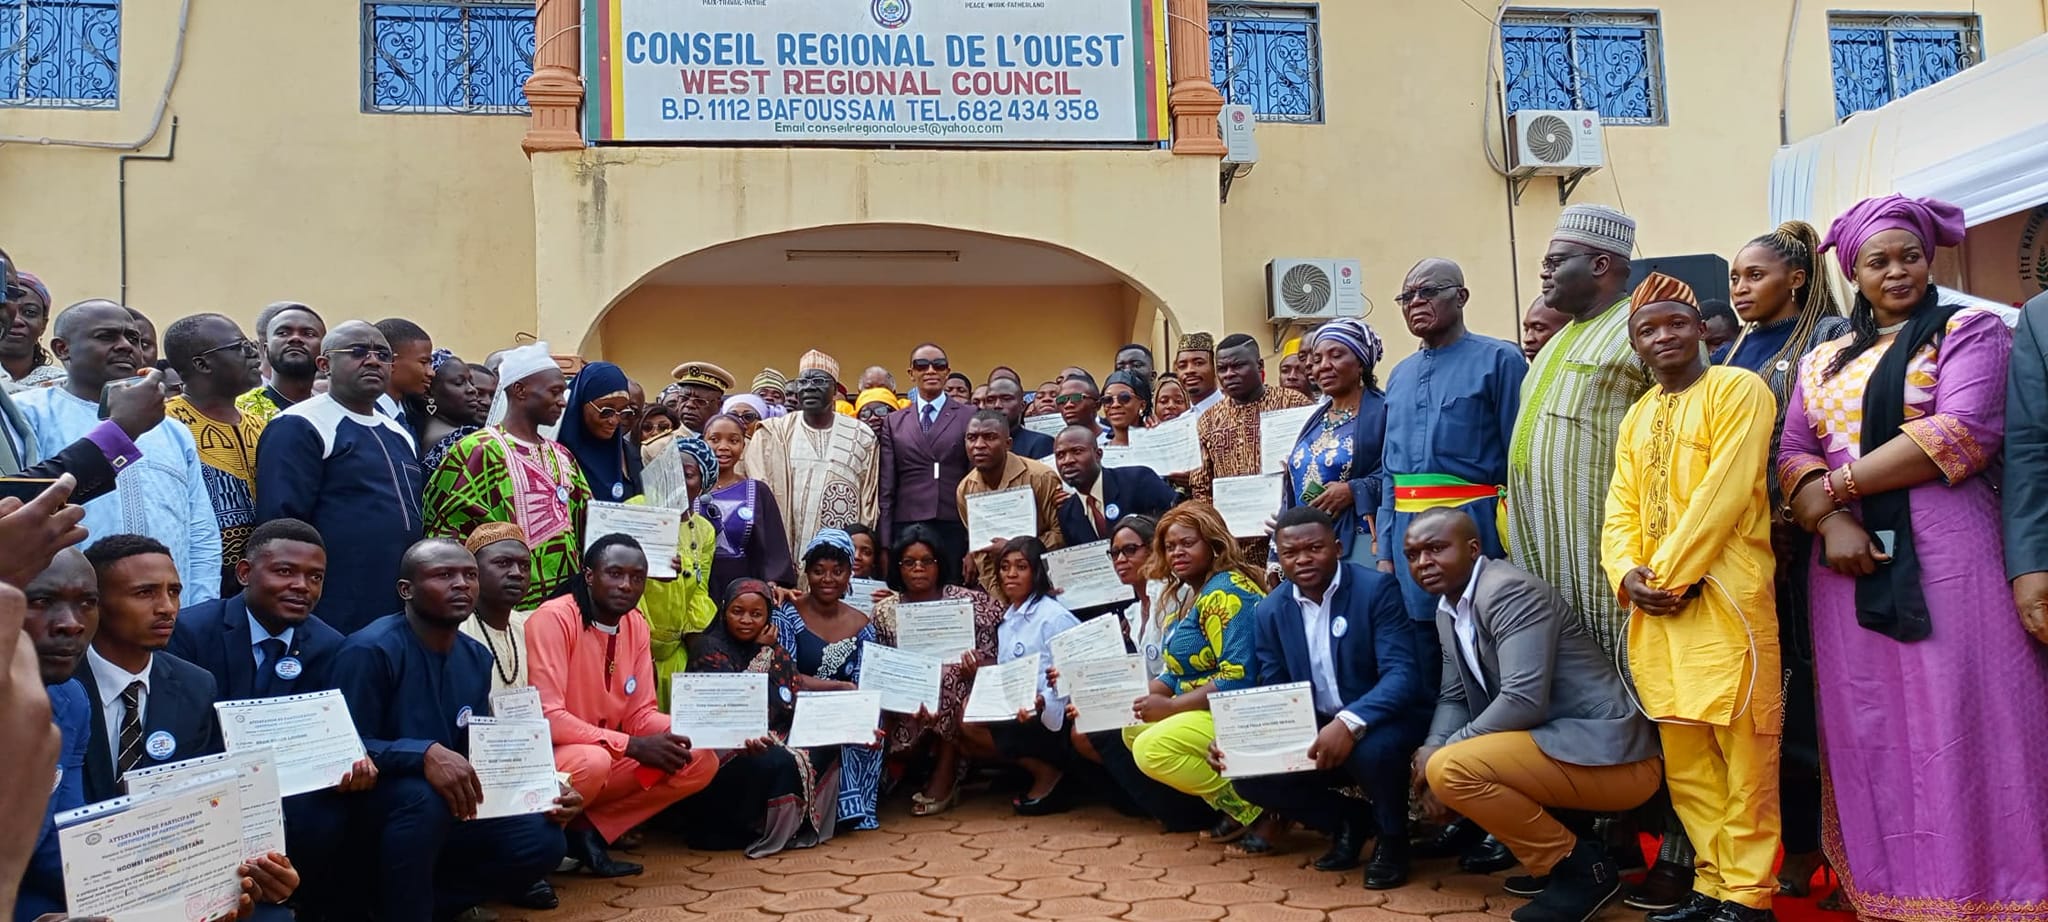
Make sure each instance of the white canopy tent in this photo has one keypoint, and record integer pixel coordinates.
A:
(1978, 139)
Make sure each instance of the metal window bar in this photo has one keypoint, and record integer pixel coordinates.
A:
(1610, 62)
(1879, 58)
(60, 54)
(1270, 57)
(469, 57)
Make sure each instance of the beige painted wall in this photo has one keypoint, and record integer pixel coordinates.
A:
(657, 327)
(283, 188)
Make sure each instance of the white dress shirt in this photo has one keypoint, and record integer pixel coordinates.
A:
(112, 681)
(1322, 666)
(1465, 623)
(258, 634)
(1028, 629)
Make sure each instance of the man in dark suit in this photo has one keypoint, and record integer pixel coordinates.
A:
(148, 706)
(266, 642)
(2026, 468)
(1097, 496)
(1006, 396)
(1342, 628)
(924, 456)
(1532, 717)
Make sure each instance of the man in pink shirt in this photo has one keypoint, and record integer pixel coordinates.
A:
(589, 656)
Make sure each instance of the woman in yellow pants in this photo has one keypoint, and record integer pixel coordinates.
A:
(1206, 647)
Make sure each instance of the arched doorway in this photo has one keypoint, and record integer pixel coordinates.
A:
(867, 294)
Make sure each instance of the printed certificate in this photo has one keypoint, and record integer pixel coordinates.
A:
(520, 703)
(515, 762)
(654, 527)
(942, 629)
(1085, 576)
(718, 710)
(1003, 514)
(1277, 432)
(1247, 502)
(1100, 638)
(311, 735)
(836, 718)
(169, 855)
(1265, 731)
(1103, 690)
(860, 593)
(906, 679)
(1000, 691)
(256, 778)
(1168, 448)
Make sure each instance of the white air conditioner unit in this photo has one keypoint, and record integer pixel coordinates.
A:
(1549, 142)
(1313, 289)
(1237, 122)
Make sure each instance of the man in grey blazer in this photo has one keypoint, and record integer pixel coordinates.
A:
(1531, 716)
(2026, 468)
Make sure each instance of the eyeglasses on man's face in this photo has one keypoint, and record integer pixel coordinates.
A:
(1425, 293)
(930, 365)
(247, 348)
(361, 351)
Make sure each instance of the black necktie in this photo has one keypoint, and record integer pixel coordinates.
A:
(266, 671)
(131, 729)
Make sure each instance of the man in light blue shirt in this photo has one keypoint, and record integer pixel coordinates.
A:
(162, 495)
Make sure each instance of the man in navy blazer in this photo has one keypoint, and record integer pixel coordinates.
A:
(266, 642)
(1343, 629)
(1006, 396)
(1097, 496)
(924, 456)
(126, 671)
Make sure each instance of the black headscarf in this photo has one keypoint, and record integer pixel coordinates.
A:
(611, 466)
(1891, 600)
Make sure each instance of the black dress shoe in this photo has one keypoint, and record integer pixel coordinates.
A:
(1578, 887)
(1389, 865)
(587, 847)
(1666, 886)
(1488, 856)
(1696, 907)
(1345, 847)
(1736, 912)
(1450, 841)
(539, 896)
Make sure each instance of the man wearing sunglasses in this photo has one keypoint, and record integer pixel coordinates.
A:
(924, 455)
(219, 364)
(351, 472)
(163, 495)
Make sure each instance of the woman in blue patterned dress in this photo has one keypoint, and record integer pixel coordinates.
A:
(823, 635)
(1335, 465)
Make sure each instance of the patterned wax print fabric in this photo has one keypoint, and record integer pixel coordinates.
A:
(1212, 642)
(227, 455)
(492, 477)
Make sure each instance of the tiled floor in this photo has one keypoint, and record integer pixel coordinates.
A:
(983, 863)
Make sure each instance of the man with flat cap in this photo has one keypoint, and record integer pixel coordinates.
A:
(703, 389)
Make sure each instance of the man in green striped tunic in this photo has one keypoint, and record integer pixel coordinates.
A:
(1573, 399)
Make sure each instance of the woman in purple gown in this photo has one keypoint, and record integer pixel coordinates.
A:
(1932, 723)
(751, 541)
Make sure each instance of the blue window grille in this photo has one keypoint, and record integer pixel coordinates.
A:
(60, 54)
(1879, 58)
(1270, 57)
(447, 56)
(1610, 62)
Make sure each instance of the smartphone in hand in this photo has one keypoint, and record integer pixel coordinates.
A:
(111, 388)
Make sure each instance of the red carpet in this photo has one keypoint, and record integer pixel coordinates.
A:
(1789, 909)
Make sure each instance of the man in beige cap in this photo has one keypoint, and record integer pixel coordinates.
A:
(820, 466)
(1562, 458)
(703, 389)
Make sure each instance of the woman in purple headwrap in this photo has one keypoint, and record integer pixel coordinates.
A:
(23, 360)
(1335, 464)
(1932, 727)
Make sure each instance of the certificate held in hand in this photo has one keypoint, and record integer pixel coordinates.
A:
(1278, 430)
(311, 735)
(1104, 690)
(835, 718)
(906, 680)
(1085, 577)
(515, 764)
(718, 710)
(1002, 690)
(173, 854)
(1265, 731)
(656, 528)
(1100, 638)
(942, 629)
(1245, 503)
(1000, 514)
